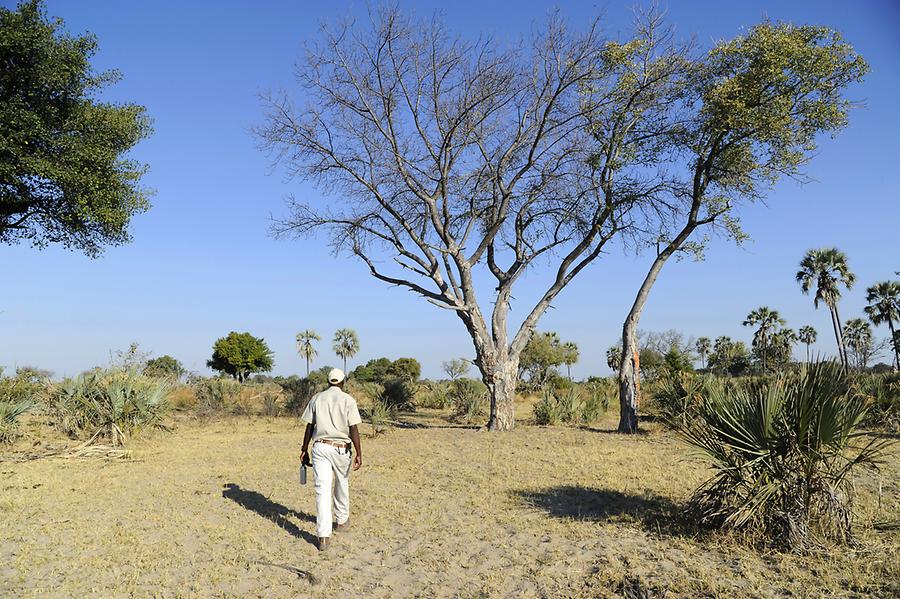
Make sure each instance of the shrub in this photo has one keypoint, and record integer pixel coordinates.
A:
(883, 391)
(434, 394)
(398, 395)
(15, 400)
(555, 408)
(596, 404)
(111, 405)
(298, 391)
(380, 415)
(677, 396)
(783, 452)
(214, 394)
(469, 398)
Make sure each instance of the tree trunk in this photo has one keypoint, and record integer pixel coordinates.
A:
(840, 332)
(307, 366)
(807, 353)
(501, 385)
(837, 336)
(896, 349)
(629, 379)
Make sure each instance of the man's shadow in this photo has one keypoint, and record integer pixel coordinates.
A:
(268, 509)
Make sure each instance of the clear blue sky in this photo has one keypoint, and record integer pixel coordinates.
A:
(202, 263)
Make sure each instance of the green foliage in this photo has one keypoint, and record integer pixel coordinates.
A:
(64, 174)
(345, 344)
(469, 399)
(380, 415)
(542, 354)
(572, 405)
(298, 391)
(108, 404)
(456, 368)
(882, 391)
(164, 366)
(407, 369)
(783, 453)
(16, 398)
(729, 357)
(398, 395)
(859, 341)
(676, 361)
(306, 346)
(240, 354)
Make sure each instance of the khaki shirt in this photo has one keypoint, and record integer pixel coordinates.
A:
(332, 412)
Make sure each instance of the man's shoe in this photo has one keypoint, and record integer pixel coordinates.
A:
(342, 527)
(323, 543)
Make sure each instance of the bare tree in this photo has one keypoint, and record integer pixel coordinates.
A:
(450, 156)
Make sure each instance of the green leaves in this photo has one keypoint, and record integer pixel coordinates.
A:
(64, 172)
(240, 354)
(783, 453)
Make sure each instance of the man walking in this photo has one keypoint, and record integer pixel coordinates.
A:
(332, 420)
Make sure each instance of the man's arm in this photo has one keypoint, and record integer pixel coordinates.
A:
(304, 451)
(357, 445)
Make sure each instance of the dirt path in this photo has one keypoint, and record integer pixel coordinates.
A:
(216, 511)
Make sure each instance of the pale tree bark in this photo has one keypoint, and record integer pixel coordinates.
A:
(449, 157)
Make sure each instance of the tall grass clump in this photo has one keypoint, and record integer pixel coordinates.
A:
(15, 400)
(883, 392)
(783, 453)
(571, 406)
(108, 404)
(469, 400)
(214, 395)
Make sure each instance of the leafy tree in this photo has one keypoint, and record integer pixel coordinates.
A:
(614, 356)
(727, 126)
(781, 347)
(456, 368)
(884, 306)
(64, 174)
(240, 355)
(373, 371)
(543, 353)
(860, 342)
(455, 158)
(729, 357)
(164, 366)
(826, 269)
(406, 369)
(131, 358)
(807, 336)
(767, 321)
(346, 344)
(703, 345)
(306, 346)
(676, 361)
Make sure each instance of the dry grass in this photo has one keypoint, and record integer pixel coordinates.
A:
(216, 510)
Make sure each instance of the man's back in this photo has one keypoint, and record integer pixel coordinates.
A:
(332, 412)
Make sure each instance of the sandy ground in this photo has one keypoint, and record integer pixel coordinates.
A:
(216, 510)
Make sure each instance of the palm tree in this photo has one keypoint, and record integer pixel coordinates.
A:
(305, 346)
(884, 306)
(346, 344)
(766, 320)
(807, 336)
(570, 356)
(782, 343)
(826, 269)
(703, 345)
(858, 336)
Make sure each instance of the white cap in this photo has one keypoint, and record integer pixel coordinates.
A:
(335, 376)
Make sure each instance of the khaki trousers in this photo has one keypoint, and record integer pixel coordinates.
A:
(331, 469)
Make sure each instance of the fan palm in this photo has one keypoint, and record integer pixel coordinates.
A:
(858, 337)
(305, 347)
(807, 336)
(766, 320)
(570, 356)
(346, 344)
(826, 270)
(884, 306)
(783, 454)
(703, 346)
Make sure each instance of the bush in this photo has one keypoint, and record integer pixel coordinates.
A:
(111, 405)
(469, 398)
(435, 394)
(677, 397)
(15, 399)
(214, 394)
(556, 408)
(380, 415)
(298, 391)
(397, 395)
(883, 391)
(783, 452)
